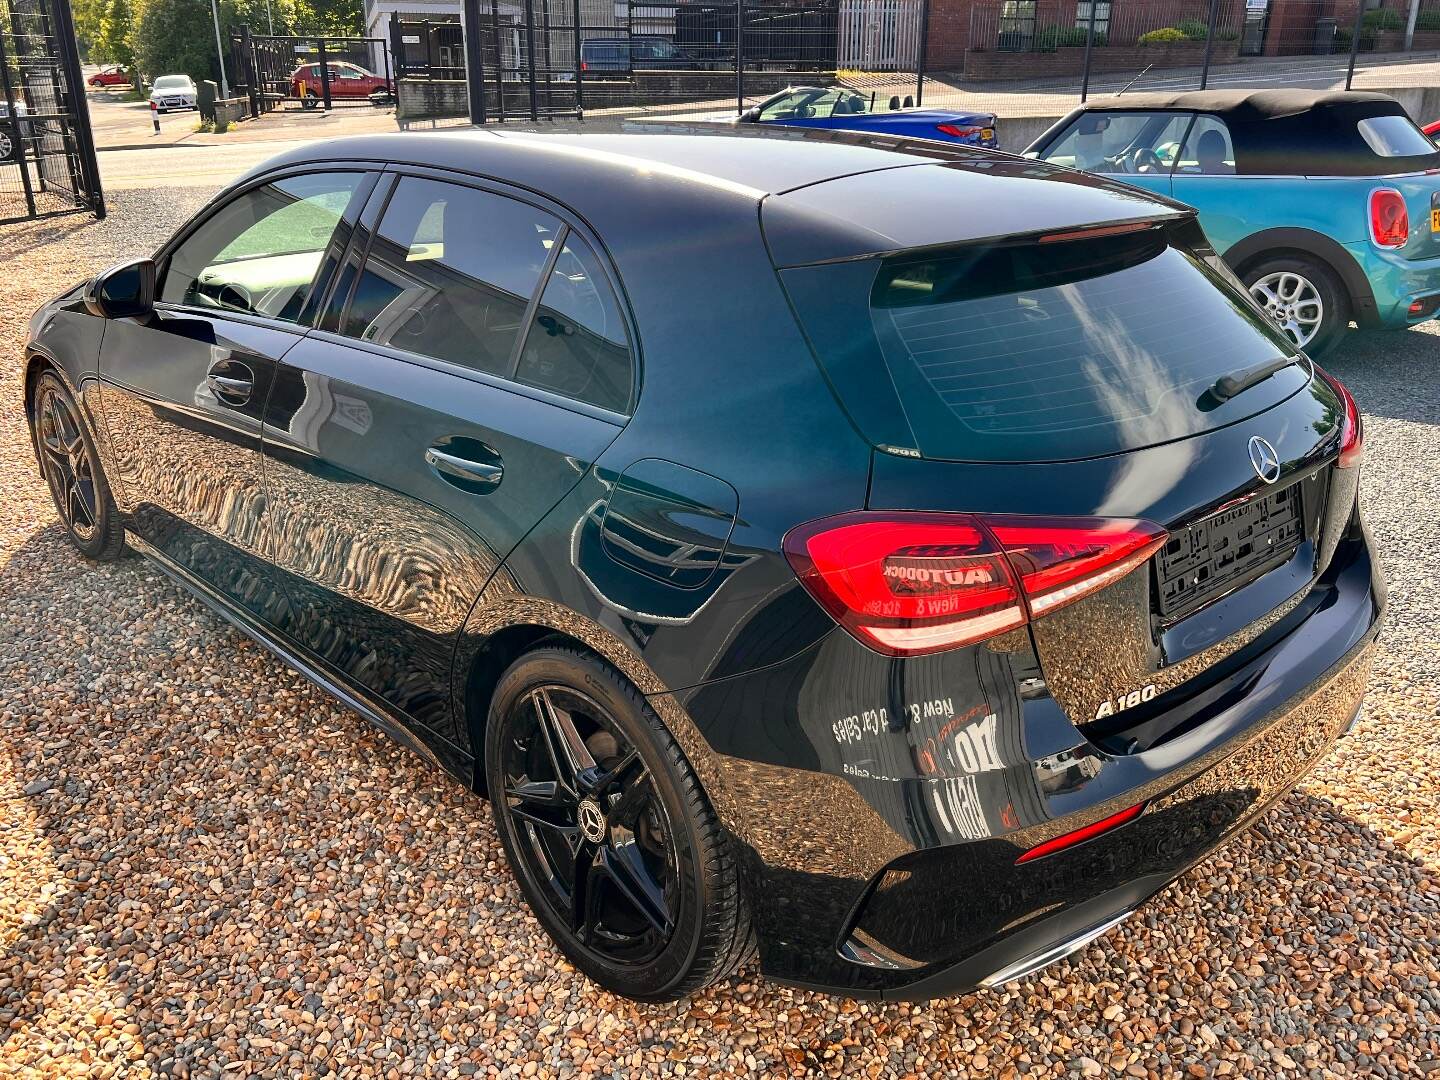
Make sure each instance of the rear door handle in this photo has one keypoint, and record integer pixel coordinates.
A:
(464, 471)
(233, 389)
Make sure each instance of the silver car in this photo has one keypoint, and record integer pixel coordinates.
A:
(173, 92)
(12, 133)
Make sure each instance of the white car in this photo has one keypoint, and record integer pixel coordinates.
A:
(173, 92)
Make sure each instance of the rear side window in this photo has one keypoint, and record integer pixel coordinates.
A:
(1037, 352)
(576, 345)
(1394, 136)
(450, 274)
(1208, 150)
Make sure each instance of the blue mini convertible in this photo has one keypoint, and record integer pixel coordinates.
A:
(841, 107)
(1326, 204)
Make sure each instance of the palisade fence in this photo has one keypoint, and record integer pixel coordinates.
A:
(1027, 61)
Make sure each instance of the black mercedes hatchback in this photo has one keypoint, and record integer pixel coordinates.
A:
(902, 559)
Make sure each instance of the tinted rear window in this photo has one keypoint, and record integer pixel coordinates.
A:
(1031, 352)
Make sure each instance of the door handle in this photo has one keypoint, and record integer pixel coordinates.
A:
(232, 389)
(465, 472)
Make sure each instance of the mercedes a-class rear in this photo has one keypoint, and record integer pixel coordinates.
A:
(792, 553)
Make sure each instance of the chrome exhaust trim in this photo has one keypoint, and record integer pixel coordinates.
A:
(1035, 961)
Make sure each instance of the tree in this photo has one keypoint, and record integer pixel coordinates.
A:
(330, 18)
(117, 30)
(88, 15)
(176, 37)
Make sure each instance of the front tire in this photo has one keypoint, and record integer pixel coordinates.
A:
(71, 467)
(610, 836)
(1304, 298)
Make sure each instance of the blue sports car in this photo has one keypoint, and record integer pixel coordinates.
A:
(839, 107)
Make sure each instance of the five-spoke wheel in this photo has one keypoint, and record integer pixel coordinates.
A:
(608, 830)
(592, 827)
(71, 468)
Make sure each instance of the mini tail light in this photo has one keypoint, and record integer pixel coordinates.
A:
(1389, 218)
(1352, 429)
(907, 583)
(955, 131)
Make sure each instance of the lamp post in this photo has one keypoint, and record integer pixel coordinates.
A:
(219, 51)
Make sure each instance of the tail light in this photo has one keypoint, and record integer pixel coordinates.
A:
(907, 583)
(1389, 218)
(584, 66)
(1352, 430)
(957, 132)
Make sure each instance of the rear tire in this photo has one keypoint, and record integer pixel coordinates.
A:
(1295, 289)
(71, 467)
(607, 829)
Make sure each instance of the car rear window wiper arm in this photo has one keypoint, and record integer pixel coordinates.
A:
(1229, 386)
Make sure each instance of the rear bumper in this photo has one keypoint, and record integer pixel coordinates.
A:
(1397, 283)
(874, 881)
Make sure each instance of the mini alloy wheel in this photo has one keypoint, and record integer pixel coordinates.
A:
(1293, 302)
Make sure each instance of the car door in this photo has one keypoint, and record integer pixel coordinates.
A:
(183, 391)
(440, 410)
(1204, 177)
(1137, 147)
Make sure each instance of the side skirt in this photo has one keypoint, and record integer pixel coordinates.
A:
(449, 758)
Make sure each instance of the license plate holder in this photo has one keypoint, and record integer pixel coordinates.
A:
(1204, 561)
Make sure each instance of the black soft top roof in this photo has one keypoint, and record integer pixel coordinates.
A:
(1288, 132)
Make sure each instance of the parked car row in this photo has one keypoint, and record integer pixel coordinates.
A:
(1014, 562)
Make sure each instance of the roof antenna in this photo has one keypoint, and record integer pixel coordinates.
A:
(1136, 79)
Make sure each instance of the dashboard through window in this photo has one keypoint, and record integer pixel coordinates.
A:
(260, 252)
(1138, 143)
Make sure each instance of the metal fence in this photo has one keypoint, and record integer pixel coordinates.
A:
(47, 155)
(1027, 61)
(274, 72)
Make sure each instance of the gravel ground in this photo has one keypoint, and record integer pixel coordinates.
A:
(208, 867)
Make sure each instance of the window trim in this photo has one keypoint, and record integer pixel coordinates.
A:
(569, 222)
(370, 176)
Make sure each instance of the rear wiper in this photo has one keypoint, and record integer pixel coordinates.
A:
(1229, 386)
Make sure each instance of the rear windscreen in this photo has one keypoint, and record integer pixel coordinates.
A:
(1037, 351)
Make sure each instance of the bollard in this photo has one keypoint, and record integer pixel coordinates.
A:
(155, 116)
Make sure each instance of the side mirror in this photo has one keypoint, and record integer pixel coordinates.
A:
(126, 291)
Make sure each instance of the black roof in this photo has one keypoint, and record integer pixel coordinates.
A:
(827, 194)
(1254, 106)
(1286, 132)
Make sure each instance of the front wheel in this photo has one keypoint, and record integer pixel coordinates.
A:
(1304, 298)
(613, 842)
(71, 467)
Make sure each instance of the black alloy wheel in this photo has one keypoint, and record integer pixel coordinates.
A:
(610, 836)
(71, 468)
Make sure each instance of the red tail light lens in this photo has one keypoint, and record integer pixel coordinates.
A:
(1389, 218)
(912, 583)
(1352, 430)
(956, 131)
(1059, 561)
